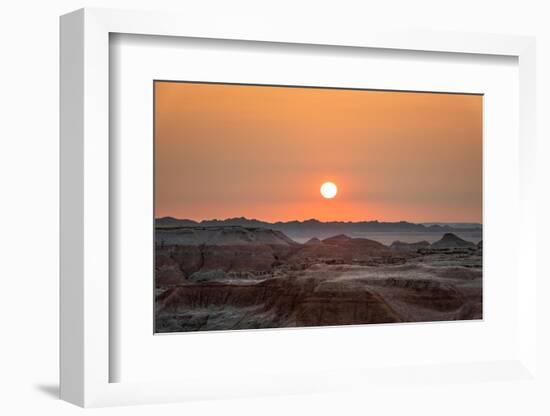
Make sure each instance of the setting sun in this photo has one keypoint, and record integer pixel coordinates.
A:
(390, 141)
(329, 190)
(239, 170)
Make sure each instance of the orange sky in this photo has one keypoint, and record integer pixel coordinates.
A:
(263, 152)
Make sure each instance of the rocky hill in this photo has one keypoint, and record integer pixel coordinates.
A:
(185, 251)
(450, 240)
(341, 249)
(220, 236)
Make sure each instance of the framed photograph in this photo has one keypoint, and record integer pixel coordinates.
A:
(273, 211)
(250, 234)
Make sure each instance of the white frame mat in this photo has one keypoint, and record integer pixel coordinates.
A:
(85, 355)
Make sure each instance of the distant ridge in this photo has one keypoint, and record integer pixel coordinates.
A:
(174, 222)
(320, 229)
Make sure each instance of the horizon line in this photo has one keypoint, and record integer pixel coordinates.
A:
(321, 221)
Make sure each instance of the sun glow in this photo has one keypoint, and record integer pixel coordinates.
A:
(329, 190)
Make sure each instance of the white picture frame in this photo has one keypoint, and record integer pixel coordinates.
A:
(85, 210)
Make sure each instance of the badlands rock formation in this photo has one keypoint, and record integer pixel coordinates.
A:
(450, 240)
(234, 277)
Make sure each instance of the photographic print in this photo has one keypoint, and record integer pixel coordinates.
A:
(287, 206)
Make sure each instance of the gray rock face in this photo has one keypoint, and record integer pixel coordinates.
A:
(167, 271)
(184, 260)
(220, 236)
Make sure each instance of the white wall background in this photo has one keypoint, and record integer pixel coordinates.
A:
(29, 205)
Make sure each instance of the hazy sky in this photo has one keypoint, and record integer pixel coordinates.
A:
(263, 152)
